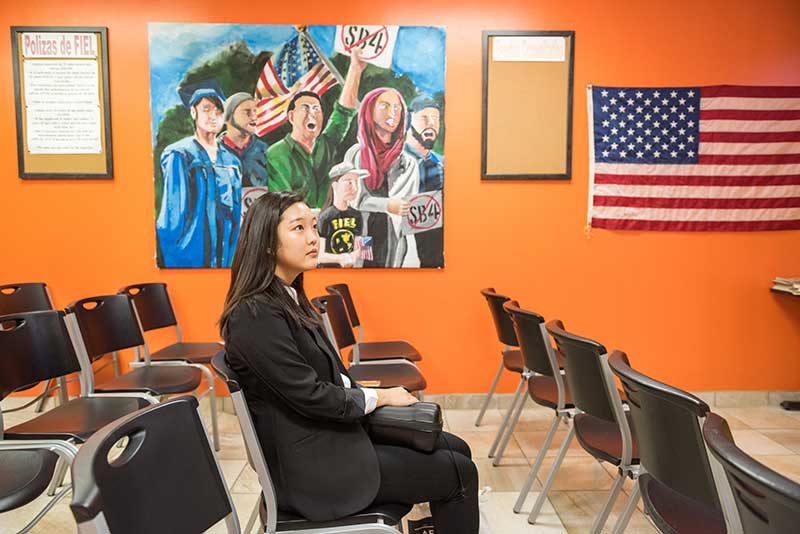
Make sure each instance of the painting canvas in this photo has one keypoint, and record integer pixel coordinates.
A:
(351, 117)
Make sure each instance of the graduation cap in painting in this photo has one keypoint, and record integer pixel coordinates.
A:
(191, 93)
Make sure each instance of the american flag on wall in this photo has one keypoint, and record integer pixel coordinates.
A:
(717, 158)
(297, 67)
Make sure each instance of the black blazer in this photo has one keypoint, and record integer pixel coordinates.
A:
(321, 461)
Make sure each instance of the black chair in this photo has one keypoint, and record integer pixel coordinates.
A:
(602, 426)
(29, 297)
(767, 502)
(109, 323)
(165, 479)
(364, 351)
(373, 520)
(155, 311)
(547, 388)
(382, 373)
(35, 347)
(680, 490)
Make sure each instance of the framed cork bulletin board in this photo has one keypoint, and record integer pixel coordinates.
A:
(527, 105)
(62, 105)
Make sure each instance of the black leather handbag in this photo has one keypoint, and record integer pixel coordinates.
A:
(417, 426)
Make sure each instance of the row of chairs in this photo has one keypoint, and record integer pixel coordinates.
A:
(39, 344)
(681, 456)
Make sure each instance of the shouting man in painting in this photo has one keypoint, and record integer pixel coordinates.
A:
(198, 223)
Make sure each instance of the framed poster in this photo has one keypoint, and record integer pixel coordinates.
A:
(62, 105)
(527, 105)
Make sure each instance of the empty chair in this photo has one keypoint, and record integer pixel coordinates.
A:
(165, 479)
(364, 351)
(373, 520)
(602, 425)
(767, 502)
(546, 387)
(28, 297)
(382, 373)
(34, 347)
(679, 486)
(109, 324)
(155, 311)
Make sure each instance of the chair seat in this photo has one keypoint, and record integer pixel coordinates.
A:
(156, 380)
(78, 419)
(514, 361)
(544, 392)
(383, 350)
(390, 375)
(602, 439)
(390, 514)
(24, 475)
(673, 512)
(190, 352)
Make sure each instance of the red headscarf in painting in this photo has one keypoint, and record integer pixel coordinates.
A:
(376, 156)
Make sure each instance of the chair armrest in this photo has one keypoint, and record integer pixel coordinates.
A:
(139, 395)
(65, 450)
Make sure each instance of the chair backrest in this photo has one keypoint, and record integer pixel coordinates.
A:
(502, 322)
(768, 502)
(27, 297)
(587, 373)
(107, 323)
(253, 446)
(166, 479)
(334, 313)
(34, 346)
(344, 291)
(533, 340)
(668, 430)
(152, 304)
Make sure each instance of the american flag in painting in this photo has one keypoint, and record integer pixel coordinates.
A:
(296, 67)
(718, 158)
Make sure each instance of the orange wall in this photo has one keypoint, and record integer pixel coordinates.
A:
(692, 309)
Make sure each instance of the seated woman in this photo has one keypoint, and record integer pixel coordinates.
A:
(307, 411)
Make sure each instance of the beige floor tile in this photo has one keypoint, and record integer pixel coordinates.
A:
(464, 421)
(231, 469)
(508, 476)
(499, 518)
(481, 442)
(754, 442)
(733, 422)
(578, 510)
(788, 466)
(231, 447)
(59, 520)
(788, 438)
(530, 442)
(764, 417)
(247, 482)
(577, 473)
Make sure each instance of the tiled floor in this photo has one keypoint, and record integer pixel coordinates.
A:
(768, 433)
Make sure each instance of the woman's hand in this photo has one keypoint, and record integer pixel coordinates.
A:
(395, 397)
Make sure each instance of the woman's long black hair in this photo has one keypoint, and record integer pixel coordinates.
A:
(253, 269)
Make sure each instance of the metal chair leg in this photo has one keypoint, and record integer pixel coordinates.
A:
(551, 476)
(63, 393)
(602, 517)
(500, 431)
(526, 488)
(627, 512)
(115, 359)
(253, 516)
(489, 395)
(43, 400)
(58, 477)
(27, 528)
(509, 431)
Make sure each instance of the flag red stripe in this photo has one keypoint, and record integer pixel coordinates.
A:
(755, 159)
(750, 114)
(634, 179)
(695, 226)
(698, 203)
(755, 92)
(748, 137)
(269, 82)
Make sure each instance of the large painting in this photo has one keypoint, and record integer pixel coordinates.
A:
(351, 117)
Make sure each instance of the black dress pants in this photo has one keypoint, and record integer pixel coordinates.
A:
(447, 478)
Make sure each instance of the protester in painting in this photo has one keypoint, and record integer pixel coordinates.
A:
(340, 225)
(301, 161)
(240, 140)
(198, 224)
(393, 176)
(423, 132)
